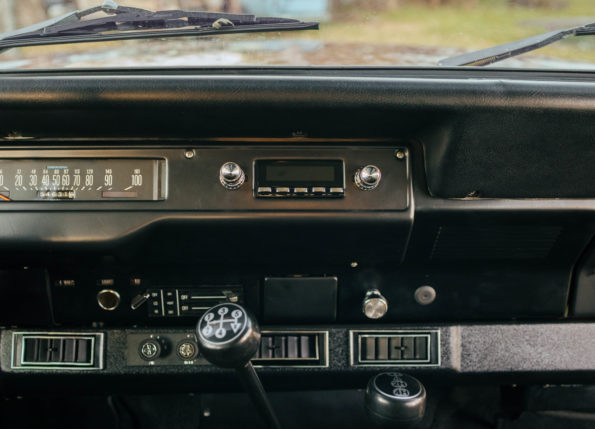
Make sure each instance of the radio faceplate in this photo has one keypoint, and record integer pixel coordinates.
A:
(299, 178)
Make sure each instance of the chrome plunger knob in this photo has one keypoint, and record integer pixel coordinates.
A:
(367, 178)
(231, 176)
(375, 304)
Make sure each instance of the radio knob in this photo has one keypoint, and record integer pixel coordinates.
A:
(368, 177)
(375, 305)
(231, 176)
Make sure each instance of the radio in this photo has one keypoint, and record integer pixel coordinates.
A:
(290, 178)
(276, 178)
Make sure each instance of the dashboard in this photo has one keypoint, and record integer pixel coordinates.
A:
(439, 222)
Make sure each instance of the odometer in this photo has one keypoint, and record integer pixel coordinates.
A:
(82, 179)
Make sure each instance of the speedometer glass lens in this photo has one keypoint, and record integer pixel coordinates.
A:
(81, 179)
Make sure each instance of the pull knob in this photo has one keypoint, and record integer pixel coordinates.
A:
(368, 177)
(375, 305)
(394, 400)
(231, 176)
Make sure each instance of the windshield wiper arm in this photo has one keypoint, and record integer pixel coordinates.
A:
(134, 23)
(501, 52)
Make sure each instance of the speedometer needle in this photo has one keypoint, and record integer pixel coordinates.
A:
(4, 198)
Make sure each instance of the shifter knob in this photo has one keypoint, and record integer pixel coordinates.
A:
(228, 335)
(394, 399)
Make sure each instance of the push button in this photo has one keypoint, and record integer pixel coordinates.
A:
(264, 190)
(282, 190)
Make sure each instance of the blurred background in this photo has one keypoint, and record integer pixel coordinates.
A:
(352, 32)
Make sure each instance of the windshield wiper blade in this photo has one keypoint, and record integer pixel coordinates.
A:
(134, 23)
(494, 54)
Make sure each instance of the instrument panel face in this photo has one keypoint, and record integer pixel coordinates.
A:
(188, 178)
(82, 179)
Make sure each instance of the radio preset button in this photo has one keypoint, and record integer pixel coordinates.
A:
(282, 190)
(264, 190)
(300, 191)
(337, 191)
(318, 190)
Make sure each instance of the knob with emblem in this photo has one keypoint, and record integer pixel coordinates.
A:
(228, 336)
(153, 348)
(394, 399)
(375, 305)
(231, 176)
(368, 177)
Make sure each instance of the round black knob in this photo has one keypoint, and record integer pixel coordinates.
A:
(152, 348)
(393, 398)
(228, 335)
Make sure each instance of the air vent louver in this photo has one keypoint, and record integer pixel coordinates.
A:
(395, 348)
(291, 348)
(524, 242)
(57, 350)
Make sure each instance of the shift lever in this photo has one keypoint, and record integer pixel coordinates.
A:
(228, 337)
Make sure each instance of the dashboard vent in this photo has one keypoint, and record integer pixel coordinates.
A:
(57, 350)
(395, 348)
(292, 348)
(488, 243)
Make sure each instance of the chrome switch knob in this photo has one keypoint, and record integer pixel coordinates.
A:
(231, 176)
(375, 305)
(368, 177)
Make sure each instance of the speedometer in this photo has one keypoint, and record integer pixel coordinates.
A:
(82, 179)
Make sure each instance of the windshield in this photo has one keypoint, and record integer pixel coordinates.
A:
(394, 33)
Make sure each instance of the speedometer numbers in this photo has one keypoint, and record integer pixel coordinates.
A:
(82, 179)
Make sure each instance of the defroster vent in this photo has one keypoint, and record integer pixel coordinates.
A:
(524, 242)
